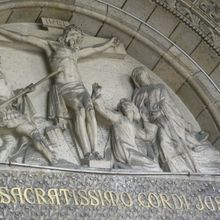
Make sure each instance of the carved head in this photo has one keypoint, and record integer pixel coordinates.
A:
(128, 109)
(140, 76)
(72, 36)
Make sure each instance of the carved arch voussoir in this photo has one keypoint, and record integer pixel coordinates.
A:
(202, 16)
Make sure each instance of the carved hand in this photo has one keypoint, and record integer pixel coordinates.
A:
(62, 124)
(13, 118)
(115, 42)
(96, 91)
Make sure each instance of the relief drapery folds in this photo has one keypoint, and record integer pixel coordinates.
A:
(146, 132)
(14, 118)
(181, 149)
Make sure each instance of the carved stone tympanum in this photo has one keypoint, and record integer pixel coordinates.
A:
(147, 133)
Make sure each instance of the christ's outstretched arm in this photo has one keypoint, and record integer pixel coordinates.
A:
(99, 105)
(32, 40)
(114, 42)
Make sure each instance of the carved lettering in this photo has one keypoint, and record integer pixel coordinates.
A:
(54, 197)
(209, 203)
(4, 195)
(217, 200)
(75, 198)
(186, 202)
(111, 197)
(165, 201)
(66, 193)
(40, 195)
(17, 194)
(126, 199)
(142, 200)
(28, 193)
(154, 200)
(200, 205)
(178, 203)
(94, 200)
(83, 197)
(101, 197)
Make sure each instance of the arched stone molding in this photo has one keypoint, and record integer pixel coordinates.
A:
(202, 16)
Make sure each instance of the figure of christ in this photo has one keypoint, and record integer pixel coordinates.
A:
(63, 56)
(123, 133)
(12, 120)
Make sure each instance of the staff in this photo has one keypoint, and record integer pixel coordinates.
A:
(28, 89)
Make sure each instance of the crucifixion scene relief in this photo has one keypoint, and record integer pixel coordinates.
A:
(68, 99)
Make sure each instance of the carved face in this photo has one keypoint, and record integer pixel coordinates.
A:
(129, 110)
(74, 39)
(142, 78)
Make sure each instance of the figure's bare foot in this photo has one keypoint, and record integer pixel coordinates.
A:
(97, 155)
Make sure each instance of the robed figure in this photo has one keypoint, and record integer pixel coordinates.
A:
(181, 149)
(123, 133)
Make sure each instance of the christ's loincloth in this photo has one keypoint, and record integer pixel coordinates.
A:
(75, 95)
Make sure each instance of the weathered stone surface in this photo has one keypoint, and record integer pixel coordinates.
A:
(217, 144)
(107, 30)
(207, 58)
(154, 37)
(169, 75)
(176, 56)
(123, 18)
(88, 195)
(56, 13)
(4, 15)
(23, 15)
(92, 5)
(207, 122)
(143, 7)
(117, 3)
(110, 31)
(163, 21)
(184, 37)
(190, 99)
(216, 75)
(88, 24)
(144, 54)
(207, 87)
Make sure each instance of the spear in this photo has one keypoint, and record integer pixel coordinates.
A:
(28, 89)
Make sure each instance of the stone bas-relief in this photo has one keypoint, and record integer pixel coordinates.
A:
(62, 56)
(14, 119)
(168, 143)
(123, 133)
(180, 148)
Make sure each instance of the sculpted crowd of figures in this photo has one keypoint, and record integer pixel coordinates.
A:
(150, 115)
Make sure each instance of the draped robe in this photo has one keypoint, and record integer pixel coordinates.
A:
(180, 148)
